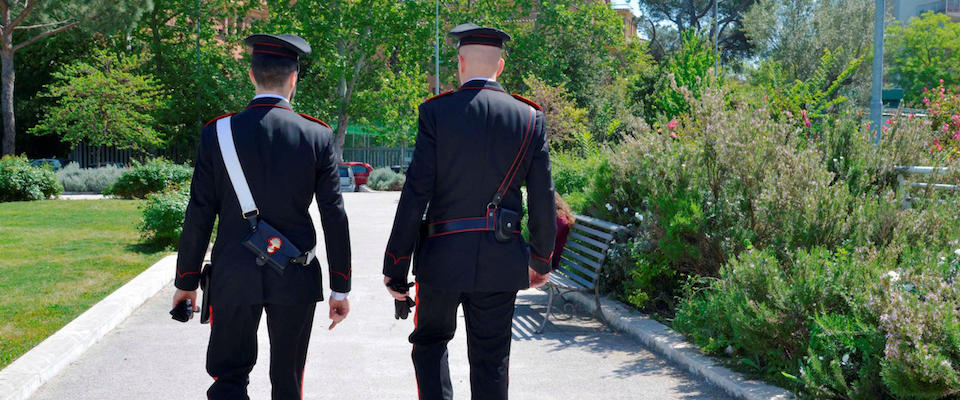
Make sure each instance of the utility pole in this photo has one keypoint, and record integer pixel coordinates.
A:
(196, 78)
(876, 102)
(716, 38)
(436, 54)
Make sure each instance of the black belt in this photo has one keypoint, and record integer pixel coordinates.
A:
(461, 225)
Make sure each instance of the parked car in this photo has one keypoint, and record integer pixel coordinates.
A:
(347, 181)
(361, 172)
(54, 163)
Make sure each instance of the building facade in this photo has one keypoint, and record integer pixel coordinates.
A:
(903, 10)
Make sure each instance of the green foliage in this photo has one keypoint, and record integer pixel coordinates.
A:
(163, 213)
(154, 176)
(19, 181)
(198, 85)
(810, 309)
(103, 103)
(386, 179)
(804, 102)
(76, 179)
(358, 45)
(688, 68)
(923, 52)
(922, 354)
(567, 127)
(573, 174)
(664, 18)
(791, 33)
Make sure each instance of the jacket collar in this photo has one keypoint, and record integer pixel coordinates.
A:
(269, 102)
(477, 84)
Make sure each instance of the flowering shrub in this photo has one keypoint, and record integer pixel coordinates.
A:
(922, 352)
(943, 109)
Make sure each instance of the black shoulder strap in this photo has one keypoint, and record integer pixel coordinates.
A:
(517, 162)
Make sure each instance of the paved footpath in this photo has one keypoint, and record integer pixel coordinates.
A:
(150, 356)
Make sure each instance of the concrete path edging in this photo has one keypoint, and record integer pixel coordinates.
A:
(672, 345)
(20, 379)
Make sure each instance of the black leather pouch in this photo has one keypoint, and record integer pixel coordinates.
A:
(508, 222)
(271, 247)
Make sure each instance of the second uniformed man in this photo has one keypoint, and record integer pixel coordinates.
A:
(475, 148)
(286, 159)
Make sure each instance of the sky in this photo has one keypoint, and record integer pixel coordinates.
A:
(634, 5)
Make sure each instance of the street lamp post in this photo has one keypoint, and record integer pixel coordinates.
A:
(716, 38)
(436, 53)
(876, 101)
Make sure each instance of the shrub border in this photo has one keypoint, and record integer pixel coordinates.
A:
(672, 345)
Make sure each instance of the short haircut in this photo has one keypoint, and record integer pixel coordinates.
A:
(272, 71)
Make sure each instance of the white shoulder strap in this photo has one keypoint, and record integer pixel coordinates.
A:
(232, 162)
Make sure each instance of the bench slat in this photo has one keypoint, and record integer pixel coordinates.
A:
(561, 280)
(607, 226)
(593, 264)
(579, 268)
(583, 249)
(577, 278)
(601, 245)
(594, 232)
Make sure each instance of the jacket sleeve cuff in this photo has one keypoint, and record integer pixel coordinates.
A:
(396, 267)
(540, 264)
(187, 282)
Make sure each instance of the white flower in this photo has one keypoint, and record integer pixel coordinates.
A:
(894, 276)
(609, 207)
(626, 209)
(846, 357)
(957, 252)
(729, 350)
(638, 216)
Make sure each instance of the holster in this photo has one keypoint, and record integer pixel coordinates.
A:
(506, 222)
(205, 275)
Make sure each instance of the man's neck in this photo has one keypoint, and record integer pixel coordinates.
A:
(270, 93)
(484, 78)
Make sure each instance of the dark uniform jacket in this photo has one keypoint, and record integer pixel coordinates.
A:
(466, 142)
(288, 160)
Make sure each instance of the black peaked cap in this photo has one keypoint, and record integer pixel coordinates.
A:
(287, 45)
(467, 34)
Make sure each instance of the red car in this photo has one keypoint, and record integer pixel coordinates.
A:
(361, 171)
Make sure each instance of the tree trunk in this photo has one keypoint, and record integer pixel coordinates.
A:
(6, 101)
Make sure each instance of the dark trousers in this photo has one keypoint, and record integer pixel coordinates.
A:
(489, 319)
(232, 350)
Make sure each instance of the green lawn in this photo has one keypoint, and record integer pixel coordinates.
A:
(59, 257)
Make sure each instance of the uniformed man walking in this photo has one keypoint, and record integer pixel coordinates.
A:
(258, 171)
(475, 147)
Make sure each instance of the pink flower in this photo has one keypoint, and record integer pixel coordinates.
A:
(672, 124)
(946, 128)
(926, 100)
(674, 135)
(911, 116)
(884, 128)
(941, 81)
(936, 142)
(925, 89)
(806, 120)
(889, 122)
(956, 136)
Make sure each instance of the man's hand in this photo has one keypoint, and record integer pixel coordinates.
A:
(537, 280)
(338, 311)
(182, 295)
(396, 295)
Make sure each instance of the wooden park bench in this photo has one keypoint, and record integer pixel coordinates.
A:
(581, 261)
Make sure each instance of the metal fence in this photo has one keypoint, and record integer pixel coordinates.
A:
(904, 181)
(379, 156)
(95, 156)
